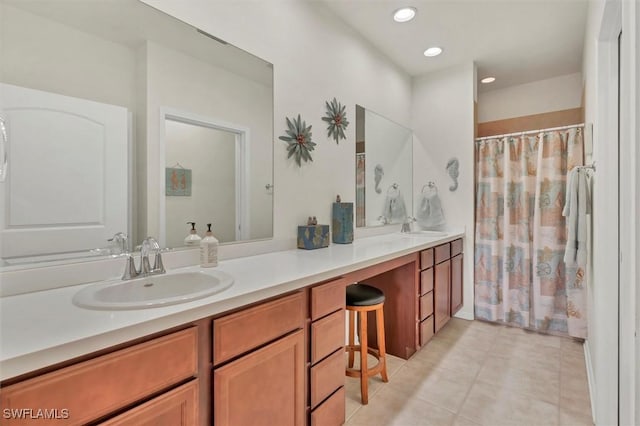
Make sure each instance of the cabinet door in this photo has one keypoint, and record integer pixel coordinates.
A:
(456, 283)
(265, 387)
(442, 294)
(178, 407)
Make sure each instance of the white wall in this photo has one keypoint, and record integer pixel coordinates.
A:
(553, 94)
(443, 122)
(315, 58)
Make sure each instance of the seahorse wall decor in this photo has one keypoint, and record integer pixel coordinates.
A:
(378, 172)
(453, 168)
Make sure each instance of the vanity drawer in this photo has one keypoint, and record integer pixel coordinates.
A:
(442, 252)
(426, 330)
(426, 258)
(426, 305)
(327, 298)
(94, 388)
(238, 333)
(327, 335)
(426, 281)
(456, 247)
(331, 412)
(326, 377)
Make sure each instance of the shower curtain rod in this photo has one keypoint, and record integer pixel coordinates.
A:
(530, 131)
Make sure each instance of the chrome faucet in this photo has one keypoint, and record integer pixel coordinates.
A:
(406, 225)
(383, 219)
(149, 244)
(118, 243)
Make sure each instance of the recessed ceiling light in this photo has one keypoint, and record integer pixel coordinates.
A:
(404, 14)
(488, 80)
(433, 51)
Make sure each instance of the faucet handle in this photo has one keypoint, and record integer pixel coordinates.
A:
(145, 266)
(158, 266)
(130, 271)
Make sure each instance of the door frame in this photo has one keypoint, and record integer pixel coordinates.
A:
(629, 355)
(602, 345)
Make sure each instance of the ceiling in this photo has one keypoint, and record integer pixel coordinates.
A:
(516, 41)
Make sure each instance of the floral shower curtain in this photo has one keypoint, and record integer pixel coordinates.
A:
(520, 276)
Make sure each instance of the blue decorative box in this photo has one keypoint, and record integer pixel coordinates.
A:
(342, 223)
(313, 236)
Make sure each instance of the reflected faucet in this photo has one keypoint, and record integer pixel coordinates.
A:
(149, 244)
(118, 243)
(406, 225)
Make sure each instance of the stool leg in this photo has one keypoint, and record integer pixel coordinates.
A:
(381, 343)
(352, 339)
(364, 376)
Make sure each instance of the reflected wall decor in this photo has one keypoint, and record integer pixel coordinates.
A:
(178, 181)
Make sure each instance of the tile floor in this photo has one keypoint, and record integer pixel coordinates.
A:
(474, 373)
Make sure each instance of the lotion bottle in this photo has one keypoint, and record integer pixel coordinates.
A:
(209, 250)
(193, 239)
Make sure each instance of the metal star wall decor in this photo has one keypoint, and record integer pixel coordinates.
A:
(299, 140)
(337, 119)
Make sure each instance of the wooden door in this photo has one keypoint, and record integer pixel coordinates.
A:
(178, 407)
(456, 283)
(442, 294)
(265, 387)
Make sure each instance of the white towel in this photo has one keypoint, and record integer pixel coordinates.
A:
(429, 213)
(394, 208)
(576, 208)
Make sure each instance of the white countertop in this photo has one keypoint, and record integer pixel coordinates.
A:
(44, 328)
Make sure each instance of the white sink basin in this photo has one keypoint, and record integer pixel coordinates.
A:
(153, 291)
(433, 234)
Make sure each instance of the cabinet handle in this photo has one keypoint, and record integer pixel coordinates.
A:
(3, 150)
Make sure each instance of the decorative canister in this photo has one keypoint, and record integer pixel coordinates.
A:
(342, 223)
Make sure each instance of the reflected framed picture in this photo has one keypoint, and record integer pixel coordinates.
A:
(178, 181)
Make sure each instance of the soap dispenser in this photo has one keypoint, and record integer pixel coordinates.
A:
(209, 249)
(193, 239)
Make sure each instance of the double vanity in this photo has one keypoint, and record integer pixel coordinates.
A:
(274, 337)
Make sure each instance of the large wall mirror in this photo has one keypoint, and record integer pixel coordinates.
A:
(122, 119)
(384, 170)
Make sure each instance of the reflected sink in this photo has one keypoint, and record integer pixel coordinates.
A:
(153, 291)
(433, 234)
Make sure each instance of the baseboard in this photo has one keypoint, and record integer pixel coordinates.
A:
(590, 379)
(465, 314)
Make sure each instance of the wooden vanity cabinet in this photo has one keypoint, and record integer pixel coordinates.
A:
(448, 282)
(100, 387)
(425, 298)
(442, 294)
(326, 354)
(259, 364)
(457, 282)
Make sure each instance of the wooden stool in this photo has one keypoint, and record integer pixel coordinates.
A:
(361, 299)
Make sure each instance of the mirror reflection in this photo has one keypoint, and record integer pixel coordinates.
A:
(102, 102)
(384, 170)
